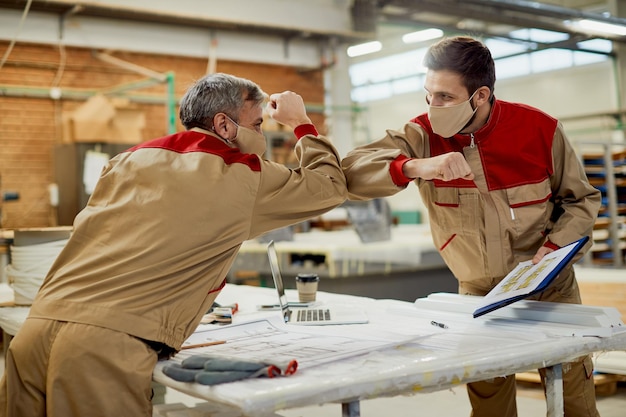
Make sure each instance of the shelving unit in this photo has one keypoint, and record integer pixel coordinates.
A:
(69, 164)
(606, 171)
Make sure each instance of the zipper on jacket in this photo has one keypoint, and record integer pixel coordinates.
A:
(472, 144)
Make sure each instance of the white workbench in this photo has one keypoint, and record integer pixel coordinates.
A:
(417, 358)
(412, 356)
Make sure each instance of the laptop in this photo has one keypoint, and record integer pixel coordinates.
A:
(313, 315)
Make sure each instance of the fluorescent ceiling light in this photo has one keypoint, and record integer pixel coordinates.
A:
(364, 48)
(422, 35)
(602, 27)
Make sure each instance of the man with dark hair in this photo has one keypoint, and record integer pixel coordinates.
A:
(502, 185)
(150, 253)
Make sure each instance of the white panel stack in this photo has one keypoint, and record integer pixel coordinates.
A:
(32, 254)
(28, 268)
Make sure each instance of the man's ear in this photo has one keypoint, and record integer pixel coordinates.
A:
(482, 95)
(221, 125)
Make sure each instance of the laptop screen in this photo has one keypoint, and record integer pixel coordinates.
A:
(278, 280)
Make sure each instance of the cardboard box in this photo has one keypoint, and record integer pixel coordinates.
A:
(103, 119)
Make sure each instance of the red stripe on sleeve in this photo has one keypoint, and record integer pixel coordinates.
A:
(395, 169)
(303, 130)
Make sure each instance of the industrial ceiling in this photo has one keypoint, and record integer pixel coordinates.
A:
(487, 18)
(497, 18)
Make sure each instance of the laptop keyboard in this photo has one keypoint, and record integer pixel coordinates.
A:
(314, 314)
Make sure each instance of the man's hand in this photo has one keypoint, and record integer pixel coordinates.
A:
(543, 251)
(287, 108)
(446, 167)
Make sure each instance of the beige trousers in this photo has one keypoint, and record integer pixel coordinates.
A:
(61, 369)
(496, 397)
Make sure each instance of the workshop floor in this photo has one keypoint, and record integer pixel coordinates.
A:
(451, 403)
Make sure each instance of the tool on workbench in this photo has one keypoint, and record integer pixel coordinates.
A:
(212, 370)
(220, 314)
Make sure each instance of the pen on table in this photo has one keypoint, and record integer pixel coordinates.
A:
(436, 323)
(216, 342)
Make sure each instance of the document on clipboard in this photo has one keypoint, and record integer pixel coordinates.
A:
(528, 279)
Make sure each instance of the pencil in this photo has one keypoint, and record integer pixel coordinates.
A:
(217, 342)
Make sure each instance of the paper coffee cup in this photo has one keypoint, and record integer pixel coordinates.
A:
(307, 287)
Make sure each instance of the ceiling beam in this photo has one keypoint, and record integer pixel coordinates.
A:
(131, 13)
(519, 13)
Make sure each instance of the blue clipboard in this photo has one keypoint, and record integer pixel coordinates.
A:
(527, 279)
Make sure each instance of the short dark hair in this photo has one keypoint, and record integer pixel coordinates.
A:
(217, 93)
(466, 56)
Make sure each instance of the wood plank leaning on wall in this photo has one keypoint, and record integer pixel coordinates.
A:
(30, 127)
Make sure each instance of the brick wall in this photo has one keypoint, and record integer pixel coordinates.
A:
(30, 127)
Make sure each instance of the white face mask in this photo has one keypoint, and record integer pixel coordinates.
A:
(447, 121)
(248, 140)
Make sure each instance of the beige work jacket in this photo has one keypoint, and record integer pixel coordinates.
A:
(529, 187)
(152, 248)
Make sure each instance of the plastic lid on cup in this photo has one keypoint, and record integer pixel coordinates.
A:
(307, 277)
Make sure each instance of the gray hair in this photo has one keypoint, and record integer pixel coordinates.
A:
(217, 93)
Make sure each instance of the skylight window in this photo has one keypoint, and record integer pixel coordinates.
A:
(501, 48)
(551, 59)
(585, 58)
(388, 68)
(526, 52)
(599, 45)
(539, 35)
(513, 67)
